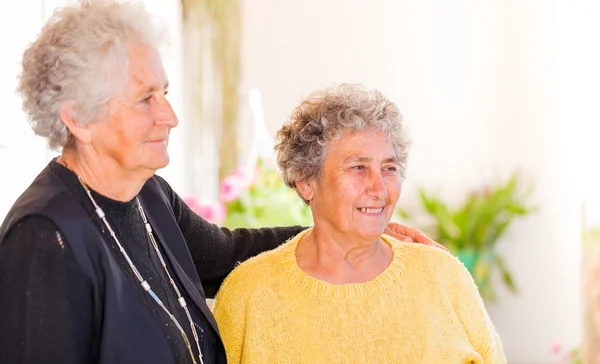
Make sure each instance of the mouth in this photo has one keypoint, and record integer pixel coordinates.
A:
(160, 138)
(371, 211)
(158, 141)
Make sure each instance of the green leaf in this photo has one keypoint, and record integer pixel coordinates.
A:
(477, 224)
(507, 277)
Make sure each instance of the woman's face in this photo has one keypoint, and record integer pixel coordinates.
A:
(135, 128)
(360, 184)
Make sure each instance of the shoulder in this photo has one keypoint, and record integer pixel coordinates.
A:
(160, 185)
(421, 257)
(435, 269)
(35, 227)
(29, 234)
(261, 270)
(37, 240)
(45, 195)
(161, 182)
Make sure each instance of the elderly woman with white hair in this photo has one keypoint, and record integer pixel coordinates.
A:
(341, 292)
(100, 260)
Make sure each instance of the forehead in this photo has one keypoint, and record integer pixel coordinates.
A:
(145, 67)
(361, 144)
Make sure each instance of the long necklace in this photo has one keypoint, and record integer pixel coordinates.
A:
(145, 285)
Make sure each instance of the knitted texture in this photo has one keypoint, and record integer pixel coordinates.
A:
(424, 308)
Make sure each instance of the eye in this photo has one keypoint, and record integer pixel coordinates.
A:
(358, 168)
(390, 170)
(146, 100)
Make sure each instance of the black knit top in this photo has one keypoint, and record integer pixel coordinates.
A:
(44, 296)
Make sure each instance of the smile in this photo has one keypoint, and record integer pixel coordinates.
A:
(371, 211)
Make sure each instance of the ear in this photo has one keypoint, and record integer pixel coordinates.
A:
(305, 189)
(81, 132)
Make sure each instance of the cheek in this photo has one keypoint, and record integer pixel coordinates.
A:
(122, 138)
(395, 188)
(133, 129)
(350, 190)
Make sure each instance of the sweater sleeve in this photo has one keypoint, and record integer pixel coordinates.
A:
(46, 305)
(216, 251)
(471, 312)
(230, 313)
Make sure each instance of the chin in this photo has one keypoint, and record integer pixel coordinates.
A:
(160, 162)
(371, 234)
(163, 164)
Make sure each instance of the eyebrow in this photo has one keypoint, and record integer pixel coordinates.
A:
(352, 159)
(151, 89)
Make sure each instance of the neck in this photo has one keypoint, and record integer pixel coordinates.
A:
(333, 246)
(104, 176)
(330, 257)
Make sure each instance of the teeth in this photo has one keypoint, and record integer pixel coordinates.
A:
(371, 211)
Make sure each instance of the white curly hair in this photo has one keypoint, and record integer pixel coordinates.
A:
(323, 116)
(80, 56)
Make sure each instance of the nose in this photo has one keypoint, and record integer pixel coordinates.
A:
(376, 187)
(164, 114)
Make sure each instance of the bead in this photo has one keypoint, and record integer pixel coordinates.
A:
(144, 283)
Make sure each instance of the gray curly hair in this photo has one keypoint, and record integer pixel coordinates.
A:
(80, 56)
(323, 116)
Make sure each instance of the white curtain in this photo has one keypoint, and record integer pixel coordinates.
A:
(22, 154)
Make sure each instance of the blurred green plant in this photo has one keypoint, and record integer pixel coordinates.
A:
(575, 356)
(591, 237)
(565, 355)
(471, 230)
(267, 201)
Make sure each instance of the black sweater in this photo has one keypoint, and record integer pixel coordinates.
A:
(44, 310)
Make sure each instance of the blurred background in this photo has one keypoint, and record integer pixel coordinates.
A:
(501, 99)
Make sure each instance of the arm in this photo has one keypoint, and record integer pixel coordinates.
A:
(46, 300)
(230, 313)
(471, 312)
(216, 251)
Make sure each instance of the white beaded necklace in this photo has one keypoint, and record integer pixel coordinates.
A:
(139, 277)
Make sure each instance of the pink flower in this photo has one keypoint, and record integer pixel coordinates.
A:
(556, 348)
(233, 185)
(211, 212)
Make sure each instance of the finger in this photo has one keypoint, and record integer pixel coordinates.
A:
(414, 234)
(421, 238)
(440, 246)
(408, 234)
(404, 238)
(427, 242)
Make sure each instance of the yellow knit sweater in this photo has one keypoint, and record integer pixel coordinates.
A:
(424, 308)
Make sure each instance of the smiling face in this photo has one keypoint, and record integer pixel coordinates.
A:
(134, 131)
(358, 188)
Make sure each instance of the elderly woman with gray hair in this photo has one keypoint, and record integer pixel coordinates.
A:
(100, 260)
(341, 292)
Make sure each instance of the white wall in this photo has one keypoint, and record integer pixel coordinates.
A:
(546, 252)
(22, 154)
(479, 84)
